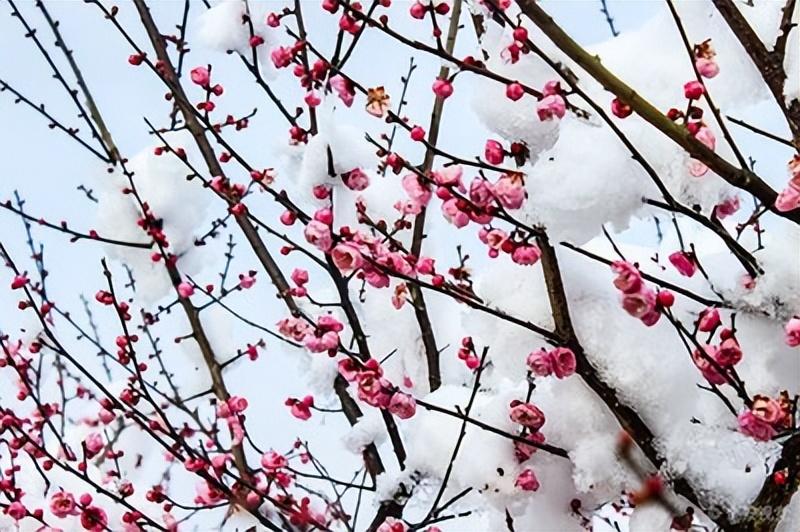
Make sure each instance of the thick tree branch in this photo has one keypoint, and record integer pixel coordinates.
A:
(739, 177)
(769, 64)
(418, 298)
(630, 421)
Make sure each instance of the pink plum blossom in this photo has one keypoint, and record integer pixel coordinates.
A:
(709, 320)
(343, 88)
(356, 179)
(402, 405)
(551, 107)
(509, 191)
(200, 76)
(526, 255)
(514, 91)
(527, 481)
(755, 427)
(793, 332)
(346, 257)
(693, 90)
(708, 68)
(319, 235)
(301, 408)
(493, 152)
(62, 504)
(185, 289)
(442, 88)
(526, 415)
(272, 461)
(684, 263)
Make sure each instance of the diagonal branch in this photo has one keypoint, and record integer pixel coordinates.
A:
(741, 178)
(769, 64)
(420, 308)
(628, 418)
(94, 112)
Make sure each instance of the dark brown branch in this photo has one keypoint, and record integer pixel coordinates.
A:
(198, 133)
(630, 421)
(372, 460)
(97, 118)
(74, 234)
(767, 509)
(741, 178)
(53, 122)
(745, 258)
(761, 132)
(769, 64)
(714, 109)
(420, 307)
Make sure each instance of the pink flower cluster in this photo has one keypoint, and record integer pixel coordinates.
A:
(460, 206)
(324, 337)
(62, 504)
(552, 104)
(789, 198)
(301, 408)
(232, 191)
(231, 411)
(375, 390)
(418, 192)
(282, 56)
(527, 415)
(275, 465)
(343, 88)
(684, 262)
(511, 53)
(467, 353)
(693, 121)
(705, 61)
(559, 362)
(300, 278)
(532, 419)
(318, 231)
(765, 418)
(522, 252)
(420, 8)
(372, 258)
(202, 76)
(638, 300)
(702, 133)
(714, 358)
(793, 332)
